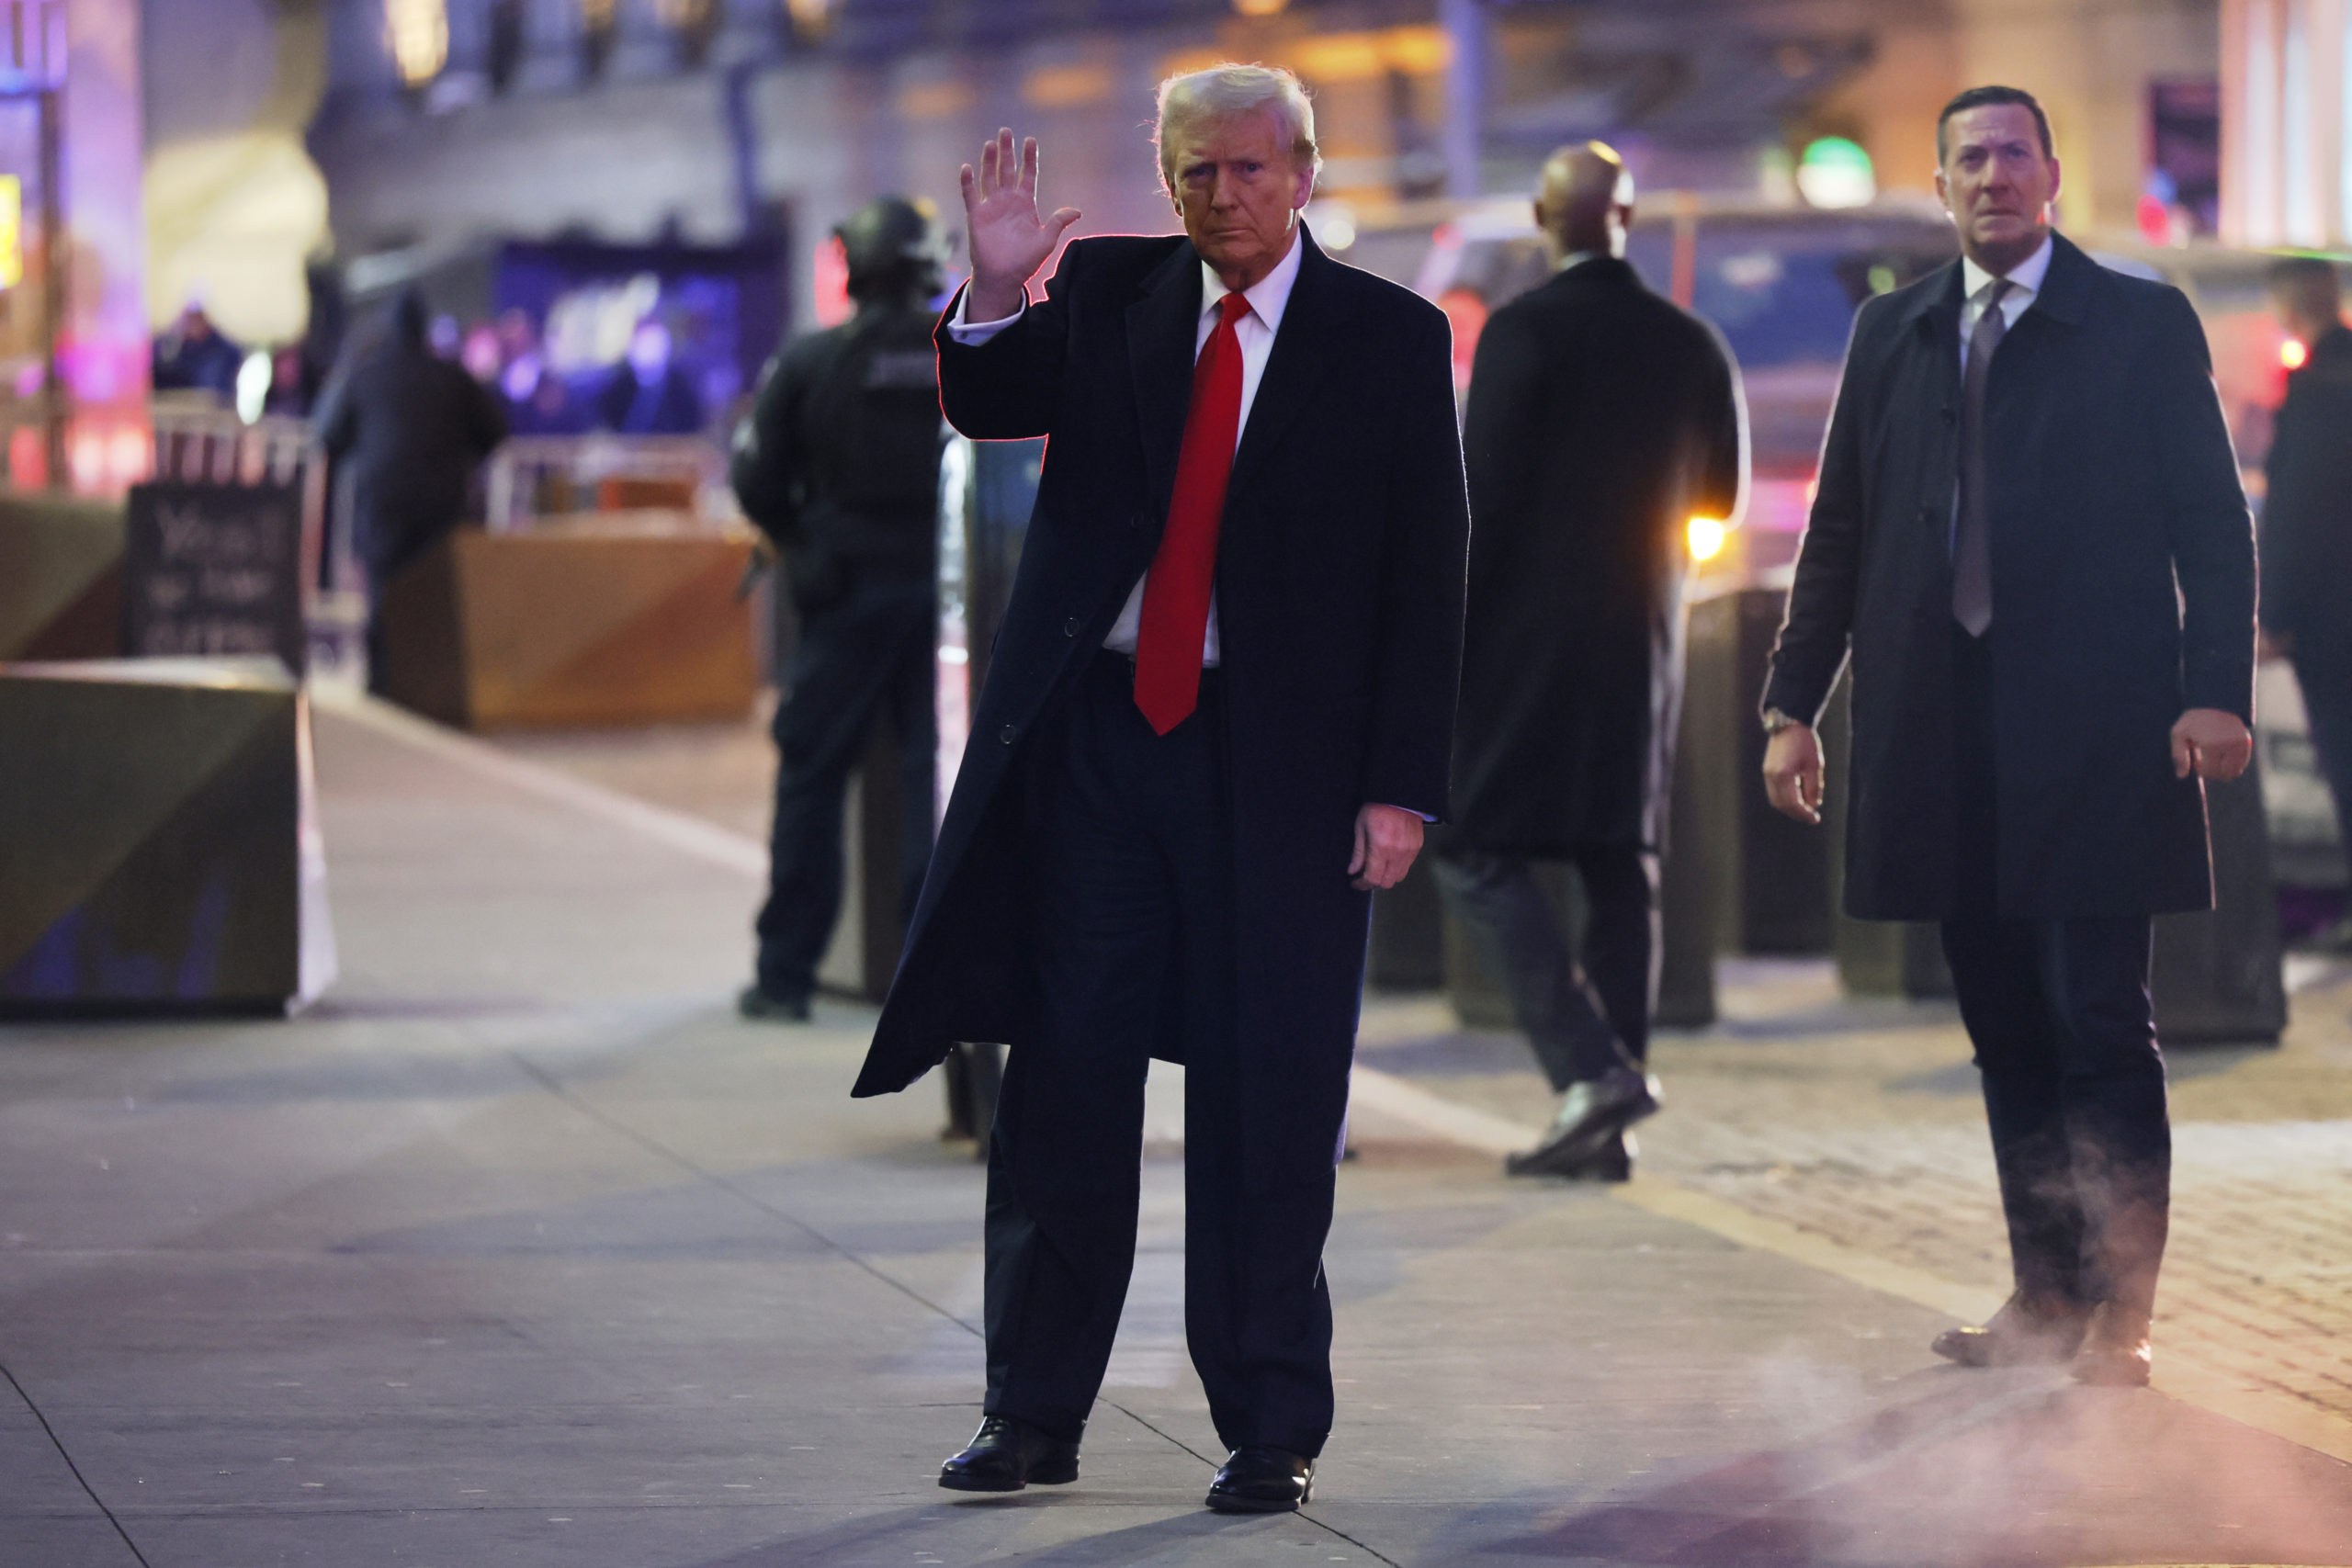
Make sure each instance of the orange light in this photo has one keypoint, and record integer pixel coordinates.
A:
(1708, 536)
(2291, 354)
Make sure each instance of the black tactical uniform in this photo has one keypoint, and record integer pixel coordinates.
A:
(838, 463)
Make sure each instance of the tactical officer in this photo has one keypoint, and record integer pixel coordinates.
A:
(838, 463)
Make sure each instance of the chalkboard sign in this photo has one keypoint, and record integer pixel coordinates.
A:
(214, 570)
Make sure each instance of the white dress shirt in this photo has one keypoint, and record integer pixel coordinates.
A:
(2025, 287)
(1268, 298)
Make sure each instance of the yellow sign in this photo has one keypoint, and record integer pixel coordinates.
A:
(12, 231)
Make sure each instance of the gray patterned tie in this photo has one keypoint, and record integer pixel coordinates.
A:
(1971, 547)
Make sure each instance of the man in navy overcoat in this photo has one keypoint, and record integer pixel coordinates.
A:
(2030, 534)
(1217, 716)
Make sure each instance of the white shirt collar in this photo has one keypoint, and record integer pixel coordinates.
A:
(1269, 296)
(1578, 258)
(2025, 278)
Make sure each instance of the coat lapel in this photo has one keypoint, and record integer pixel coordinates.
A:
(1299, 361)
(1936, 312)
(1161, 325)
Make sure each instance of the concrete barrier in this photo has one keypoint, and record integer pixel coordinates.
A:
(158, 840)
(607, 619)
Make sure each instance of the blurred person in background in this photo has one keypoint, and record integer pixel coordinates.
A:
(2307, 526)
(650, 394)
(414, 426)
(537, 400)
(196, 356)
(2030, 537)
(838, 464)
(1601, 419)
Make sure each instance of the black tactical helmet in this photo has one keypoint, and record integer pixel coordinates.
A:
(893, 245)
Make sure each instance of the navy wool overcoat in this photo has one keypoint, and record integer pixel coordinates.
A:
(2123, 592)
(1340, 597)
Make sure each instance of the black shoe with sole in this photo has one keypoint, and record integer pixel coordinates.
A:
(753, 1002)
(1006, 1454)
(1258, 1480)
(1592, 1113)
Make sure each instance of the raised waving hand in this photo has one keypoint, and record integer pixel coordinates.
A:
(1009, 242)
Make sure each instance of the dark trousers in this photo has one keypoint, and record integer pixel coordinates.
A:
(2323, 671)
(868, 656)
(1583, 1018)
(2065, 1039)
(1129, 841)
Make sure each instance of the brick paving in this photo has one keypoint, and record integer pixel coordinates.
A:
(1859, 1121)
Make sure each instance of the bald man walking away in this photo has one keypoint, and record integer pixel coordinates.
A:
(1601, 420)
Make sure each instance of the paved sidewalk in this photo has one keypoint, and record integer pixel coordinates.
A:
(1861, 1123)
(522, 1250)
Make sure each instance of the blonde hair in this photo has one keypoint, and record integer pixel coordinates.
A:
(1224, 91)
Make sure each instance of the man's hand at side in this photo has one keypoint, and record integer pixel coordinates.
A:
(1387, 838)
(2212, 742)
(1793, 773)
(1010, 243)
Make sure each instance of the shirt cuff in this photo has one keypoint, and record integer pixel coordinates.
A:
(1407, 811)
(971, 334)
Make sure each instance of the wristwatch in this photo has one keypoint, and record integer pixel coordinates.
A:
(1775, 721)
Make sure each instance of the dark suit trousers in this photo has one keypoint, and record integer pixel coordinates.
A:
(1582, 1020)
(2058, 1013)
(1129, 839)
(860, 659)
(2324, 669)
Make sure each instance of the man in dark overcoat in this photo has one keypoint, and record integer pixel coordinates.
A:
(1218, 714)
(412, 426)
(1601, 420)
(2030, 534)
(2307, 524)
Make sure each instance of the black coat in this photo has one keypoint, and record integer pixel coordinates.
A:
(2110, 478)
(2307, 516)
(1338, 585)
(412, 426)
(1601, 420)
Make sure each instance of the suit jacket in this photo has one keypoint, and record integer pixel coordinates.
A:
(1339, 583)
(2123, 592)
(2307, 516)
(1601, 420)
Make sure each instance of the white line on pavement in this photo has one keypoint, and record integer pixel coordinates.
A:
(706, 841)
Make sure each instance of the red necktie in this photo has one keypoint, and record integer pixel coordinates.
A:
(1176, 594)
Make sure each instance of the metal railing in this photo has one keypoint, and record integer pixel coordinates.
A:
(541, 476)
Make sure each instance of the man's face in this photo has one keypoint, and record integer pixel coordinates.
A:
(1997, 181)
(1238, 190)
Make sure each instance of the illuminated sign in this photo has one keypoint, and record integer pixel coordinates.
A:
(12, 231)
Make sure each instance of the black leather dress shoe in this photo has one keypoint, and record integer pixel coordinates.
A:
(1593, 1114)
(1258, 1480)
(753, 1002)
(2115, 1352)
(1006, 1455)
(2024, 1332)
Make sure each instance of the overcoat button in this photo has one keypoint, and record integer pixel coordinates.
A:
(1006, 734)
(1069, 627)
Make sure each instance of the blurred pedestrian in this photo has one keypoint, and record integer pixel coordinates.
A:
(2307, 525)
(196, 356)
(1219, 712)
(1601, 420)
(414, 426)
(838, 463)
(650, 393)
(2030, 535)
